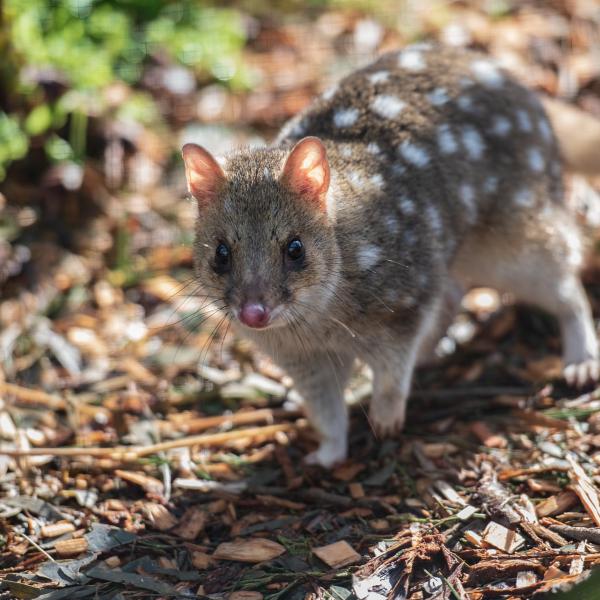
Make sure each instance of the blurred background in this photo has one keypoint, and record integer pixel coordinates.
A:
(96, 99)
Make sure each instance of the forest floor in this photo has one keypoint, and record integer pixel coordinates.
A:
(146, 453)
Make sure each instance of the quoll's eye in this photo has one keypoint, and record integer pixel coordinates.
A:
(295, 249)
(222, 258)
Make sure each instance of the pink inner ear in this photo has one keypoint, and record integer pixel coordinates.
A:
(204, 176)
(306, 170)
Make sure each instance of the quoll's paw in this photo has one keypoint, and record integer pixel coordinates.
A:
(327, 454)
(386, 425)
(583, 373)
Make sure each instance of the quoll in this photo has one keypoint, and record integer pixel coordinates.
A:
(353, 236)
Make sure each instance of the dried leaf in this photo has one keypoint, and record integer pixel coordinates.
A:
(254, 550)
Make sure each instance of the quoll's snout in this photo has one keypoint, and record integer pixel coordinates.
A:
(254, 314)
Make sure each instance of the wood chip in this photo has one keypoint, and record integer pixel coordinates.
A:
(201, 560)
(159, 516)
(553, 572)
(192, 523)
(449, 492)
(500, 537)
(254, 550)
(348, 471)
(56, 529)
(338, 554)
(584, 487)
(356, 490)
(541, 485)
(487, 437)
(69, 548)
(466, 513)
(525, 579)
(282, 502)
(149, 484)
(438, 450)
(245, 595)
(578, 563)
(473, 538)
(556, 505)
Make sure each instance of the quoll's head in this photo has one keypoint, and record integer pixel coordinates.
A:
(265, 249)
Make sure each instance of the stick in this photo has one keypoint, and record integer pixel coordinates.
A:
(267, 415)
(134, 452)
(29, 396)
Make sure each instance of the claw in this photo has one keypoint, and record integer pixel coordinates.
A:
(583, 373)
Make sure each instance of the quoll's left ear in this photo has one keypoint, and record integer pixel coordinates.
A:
(205, 178)
(306, 170)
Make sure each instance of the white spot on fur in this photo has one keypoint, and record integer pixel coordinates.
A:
(368, 255)
(473, 142)
(490, 185)
(407, 206)
(433, 219)
(379, 77)
(398, 169)
(345, 117)
(410, 237)
(357, 180)
(373, 148)
(387, 106)
(391, 224)
(438, 97)
(535, 159)
(524, 197)
(376, 180)
(446, 140)
(345, 151)
(467, 197)
(412, 60)
(545, 129)
(524, 120)
(267, 173)
(487, 73)
(295, 128)
(465, 103)
(500, 125)
(329, 93)
(414, 154)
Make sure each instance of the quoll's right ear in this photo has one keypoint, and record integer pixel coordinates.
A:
(204, 176)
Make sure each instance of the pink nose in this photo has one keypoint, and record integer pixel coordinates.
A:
(254, 314)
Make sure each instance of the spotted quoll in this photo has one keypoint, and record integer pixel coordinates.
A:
(426, 173)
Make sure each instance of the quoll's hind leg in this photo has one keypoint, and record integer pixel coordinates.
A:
(393, 362)
(538, 262)
(321, 380)
(451, 300)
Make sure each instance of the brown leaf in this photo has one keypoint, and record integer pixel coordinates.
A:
(253, 550)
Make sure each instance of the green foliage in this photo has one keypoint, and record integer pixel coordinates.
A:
(13, 141)
(90, 44)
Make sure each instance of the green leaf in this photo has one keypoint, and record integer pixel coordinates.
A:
(39, 120)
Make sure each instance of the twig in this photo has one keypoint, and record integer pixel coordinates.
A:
(266, 415)
(35, 397)
(36, 546)
(135, 452)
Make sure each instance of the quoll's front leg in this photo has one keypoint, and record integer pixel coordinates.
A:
(320, 381)
(393, 363)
